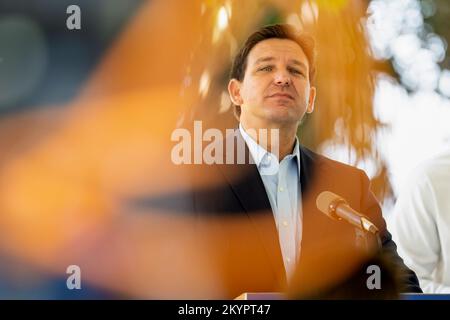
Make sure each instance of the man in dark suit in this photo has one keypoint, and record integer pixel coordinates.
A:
(260, 216)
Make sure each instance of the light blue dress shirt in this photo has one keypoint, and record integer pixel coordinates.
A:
(282, 183)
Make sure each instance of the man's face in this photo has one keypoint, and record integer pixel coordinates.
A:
(275, 90)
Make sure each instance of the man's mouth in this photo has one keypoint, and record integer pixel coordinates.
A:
(281, 95)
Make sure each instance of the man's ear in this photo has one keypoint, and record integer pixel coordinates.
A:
(312, 98)
(234, 90)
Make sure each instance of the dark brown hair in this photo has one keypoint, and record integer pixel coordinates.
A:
(280, 31)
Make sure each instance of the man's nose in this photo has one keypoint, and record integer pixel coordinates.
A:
(282, 79)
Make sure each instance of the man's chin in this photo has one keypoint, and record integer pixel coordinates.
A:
(281, 116)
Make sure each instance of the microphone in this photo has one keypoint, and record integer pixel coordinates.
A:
(337, 208)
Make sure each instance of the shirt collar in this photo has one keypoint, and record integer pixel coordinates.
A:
(259, 153)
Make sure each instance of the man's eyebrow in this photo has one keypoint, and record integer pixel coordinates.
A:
(298, 63)
(293, 61)
(264, 59)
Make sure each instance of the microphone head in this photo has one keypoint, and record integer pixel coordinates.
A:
(327, 202)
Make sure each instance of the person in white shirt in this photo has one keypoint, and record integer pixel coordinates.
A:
(421, 224)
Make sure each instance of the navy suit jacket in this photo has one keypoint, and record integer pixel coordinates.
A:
(245, 238)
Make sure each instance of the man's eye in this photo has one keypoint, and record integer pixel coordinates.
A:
(268, 68)
(295, 71)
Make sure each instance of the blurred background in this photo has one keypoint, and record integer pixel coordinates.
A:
(86, 115)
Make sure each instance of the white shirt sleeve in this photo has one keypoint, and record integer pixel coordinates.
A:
(415, 230)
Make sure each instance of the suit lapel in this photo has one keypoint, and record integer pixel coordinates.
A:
(249, 188)
(317, 227)
(307, 164)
